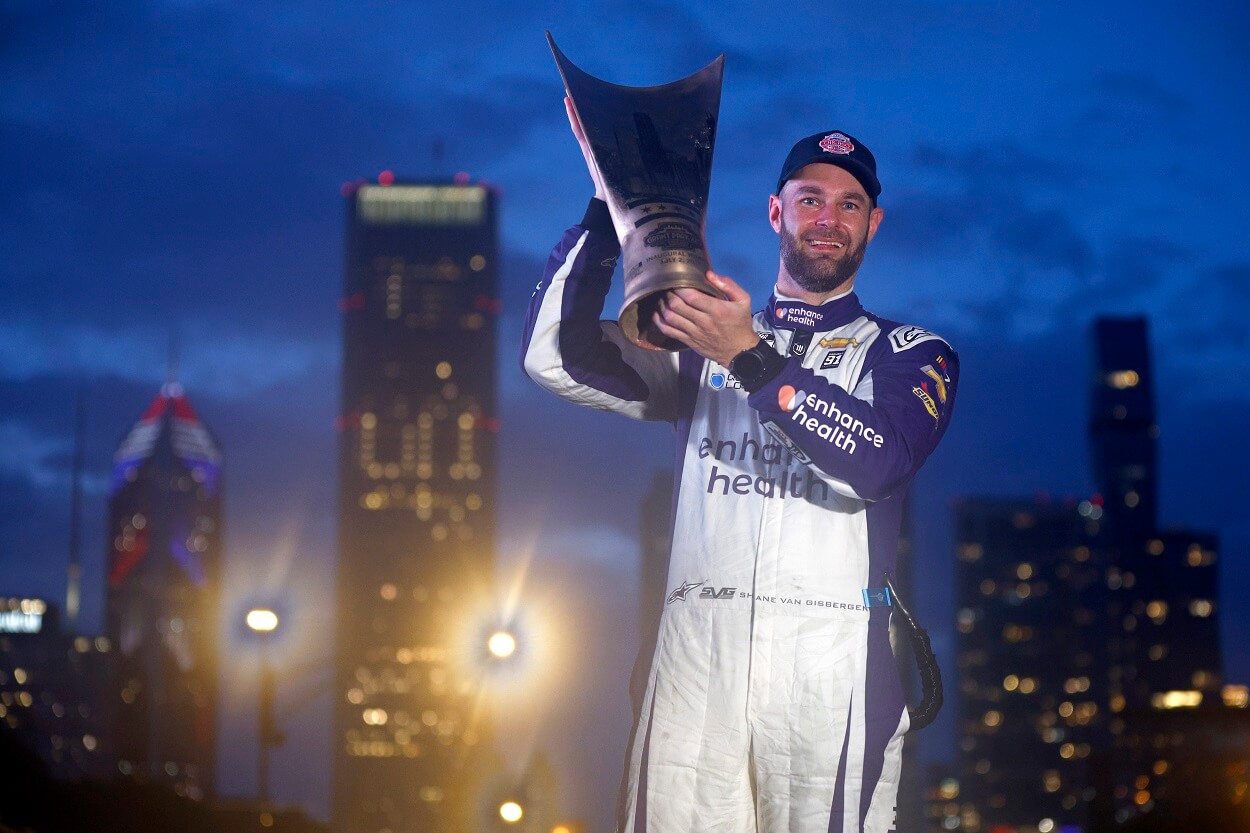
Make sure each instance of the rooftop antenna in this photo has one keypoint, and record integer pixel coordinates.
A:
(172, 388)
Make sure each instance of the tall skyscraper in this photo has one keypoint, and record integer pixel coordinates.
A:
(1084, 628)
(164, 595)
(1161, 586)
(416, 505)
(1122, 430)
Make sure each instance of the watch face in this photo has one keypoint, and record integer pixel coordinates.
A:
(747, 365)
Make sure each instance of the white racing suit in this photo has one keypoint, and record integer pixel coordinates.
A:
(773, 701)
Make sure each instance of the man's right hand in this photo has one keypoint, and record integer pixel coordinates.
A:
(576, 124)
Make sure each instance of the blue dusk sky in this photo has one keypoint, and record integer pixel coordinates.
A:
(175, 168)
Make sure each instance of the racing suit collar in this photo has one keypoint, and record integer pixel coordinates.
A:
(791, 314)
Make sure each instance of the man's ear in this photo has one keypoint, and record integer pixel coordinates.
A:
(774, 212)
(874, 221)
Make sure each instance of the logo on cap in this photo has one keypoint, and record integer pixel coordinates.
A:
(836, 143)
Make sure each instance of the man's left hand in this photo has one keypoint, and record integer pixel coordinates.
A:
(715, 328)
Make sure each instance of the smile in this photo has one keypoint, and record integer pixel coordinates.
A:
(825, 244)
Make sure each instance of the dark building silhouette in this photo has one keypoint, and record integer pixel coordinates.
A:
(52, 686)
(416, 506)
(1029, 635)
(1161, 586)
(163, 597)
(1086, 632)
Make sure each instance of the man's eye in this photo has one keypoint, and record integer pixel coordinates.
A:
(811, 201)
(850, 206)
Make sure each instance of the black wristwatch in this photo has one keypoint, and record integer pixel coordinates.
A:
(757, 366)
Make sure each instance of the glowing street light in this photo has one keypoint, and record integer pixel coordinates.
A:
(262, 620)
(511, 812)
(501, 644)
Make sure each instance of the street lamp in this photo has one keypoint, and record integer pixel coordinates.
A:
(264, 622)
(501, 644)
(511, 812)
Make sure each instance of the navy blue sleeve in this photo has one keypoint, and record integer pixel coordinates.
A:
(875, 439)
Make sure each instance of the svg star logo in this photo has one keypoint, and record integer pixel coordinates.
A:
(713, 593)
(679, 595)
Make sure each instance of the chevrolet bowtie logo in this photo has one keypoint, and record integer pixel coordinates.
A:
(839, 343)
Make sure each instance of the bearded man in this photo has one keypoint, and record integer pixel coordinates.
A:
(771, 701)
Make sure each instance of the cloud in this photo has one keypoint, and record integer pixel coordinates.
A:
(1133, 97)
(232, 363)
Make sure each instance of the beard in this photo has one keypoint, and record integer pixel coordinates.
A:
(821, 273)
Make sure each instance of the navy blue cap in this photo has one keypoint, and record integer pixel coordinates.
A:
(834, 148)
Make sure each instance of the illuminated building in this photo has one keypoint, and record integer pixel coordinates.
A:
(1111, 622)
(1161, 586)
(1031, 695)
(50, 689)
(416, 504)
(163, 596)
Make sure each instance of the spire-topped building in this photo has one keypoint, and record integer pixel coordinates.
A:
(163, 595)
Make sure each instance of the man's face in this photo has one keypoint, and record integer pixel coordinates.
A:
(825, 220)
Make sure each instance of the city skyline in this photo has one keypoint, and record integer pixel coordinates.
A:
(187, 179)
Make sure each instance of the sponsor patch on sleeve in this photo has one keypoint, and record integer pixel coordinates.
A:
(905, 337)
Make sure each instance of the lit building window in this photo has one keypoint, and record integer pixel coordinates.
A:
(443, 370)
(1123, 379)
(1011, 682)
(1235, 696)
(970, 552)
(1154, 546)
(1131, 499)
(389, 592)
(1024, 571)
(992, 718)
(477, 263)
(1157, 610)
(1196, 556)
(1176, 699)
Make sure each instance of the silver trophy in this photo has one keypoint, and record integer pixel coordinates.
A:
(653, 148)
